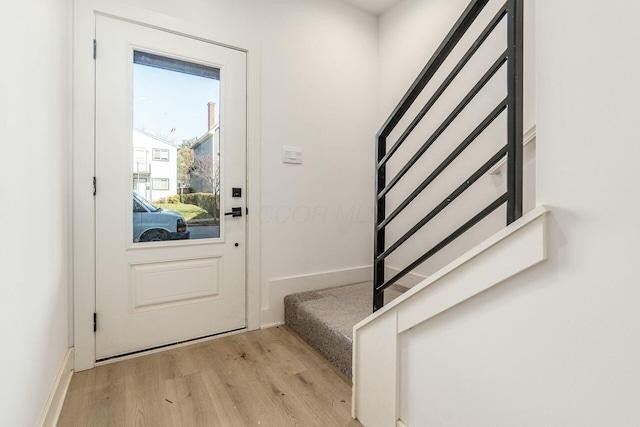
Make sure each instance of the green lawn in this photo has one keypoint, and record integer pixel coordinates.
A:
(189, 212)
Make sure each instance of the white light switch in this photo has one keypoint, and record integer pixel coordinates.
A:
(292, 155)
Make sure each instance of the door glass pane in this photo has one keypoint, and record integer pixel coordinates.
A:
(176, 149)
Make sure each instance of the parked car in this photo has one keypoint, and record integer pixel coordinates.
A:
(151, 223)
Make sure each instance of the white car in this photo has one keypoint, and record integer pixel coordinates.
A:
(152, 224)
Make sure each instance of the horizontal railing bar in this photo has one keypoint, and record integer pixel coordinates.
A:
(450, 238)
(454, 154)
(450, 41)
(434, 98)
(467, 99)
(446, 202)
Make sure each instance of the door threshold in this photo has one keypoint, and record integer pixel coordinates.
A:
(165, 347)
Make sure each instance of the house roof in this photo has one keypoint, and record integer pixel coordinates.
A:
(204, 137)
(155, 137)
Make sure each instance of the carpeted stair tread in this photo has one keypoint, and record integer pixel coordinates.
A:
(325, 318)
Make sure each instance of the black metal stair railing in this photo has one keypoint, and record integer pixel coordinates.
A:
(512, 11)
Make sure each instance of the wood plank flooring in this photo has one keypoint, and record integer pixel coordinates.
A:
(267, 378)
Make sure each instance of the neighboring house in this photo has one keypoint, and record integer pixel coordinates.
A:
(204, 173)
(206, 157)
(154, 166)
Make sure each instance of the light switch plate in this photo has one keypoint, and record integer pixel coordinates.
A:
(292, 155)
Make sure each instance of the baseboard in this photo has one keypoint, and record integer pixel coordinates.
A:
(409, 281)
(51, 411)
(399, 423)
(271, 325)
(277, 289)
(528, 137)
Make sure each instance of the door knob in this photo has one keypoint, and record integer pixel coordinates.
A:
(234, 212)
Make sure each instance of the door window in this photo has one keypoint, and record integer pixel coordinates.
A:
(176, 108)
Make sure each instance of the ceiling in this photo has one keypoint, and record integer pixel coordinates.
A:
(376, 7)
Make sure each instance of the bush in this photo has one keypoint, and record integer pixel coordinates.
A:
(174, 200)
(207, 201)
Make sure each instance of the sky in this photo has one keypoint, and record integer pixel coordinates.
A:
(163, 100)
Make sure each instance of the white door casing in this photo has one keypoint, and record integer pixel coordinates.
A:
(159, 293)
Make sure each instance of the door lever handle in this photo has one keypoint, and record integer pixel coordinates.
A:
(234, 212)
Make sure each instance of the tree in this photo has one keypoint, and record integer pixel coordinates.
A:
(207, 170)
(184, 164)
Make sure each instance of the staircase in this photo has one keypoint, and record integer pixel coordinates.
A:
(461, 119)
(325, 318)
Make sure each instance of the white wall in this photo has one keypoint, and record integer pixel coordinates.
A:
(410, 32)
(318, 84)
(559, 344)
(34, 184)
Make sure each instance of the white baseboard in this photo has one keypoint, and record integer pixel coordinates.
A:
(409, 281)
(271, 325)
(528, 137)
(277, 289)
(51, 410)
(399, 423)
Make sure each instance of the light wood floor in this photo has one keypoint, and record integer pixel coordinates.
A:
(266, 378)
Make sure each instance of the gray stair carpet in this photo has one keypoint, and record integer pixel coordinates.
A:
(325, 318)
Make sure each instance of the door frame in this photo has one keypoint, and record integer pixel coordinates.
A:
(84, 231)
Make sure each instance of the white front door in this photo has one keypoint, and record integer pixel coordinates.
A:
(170, 112)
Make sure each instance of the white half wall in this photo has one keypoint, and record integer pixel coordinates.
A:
(395, 376)
(34, 184)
